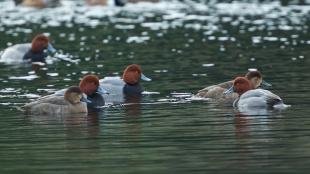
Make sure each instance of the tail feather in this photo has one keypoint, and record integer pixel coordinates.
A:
(274, 101)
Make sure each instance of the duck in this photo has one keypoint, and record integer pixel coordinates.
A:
(129, 85)
(69, 103)
(137, 1)
(90, 86)
(216, 92)
(105, 2)
(251, 98)
(115, 2)
(38, 3)
(28, 52)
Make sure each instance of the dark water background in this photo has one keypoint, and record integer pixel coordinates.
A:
(183, 47)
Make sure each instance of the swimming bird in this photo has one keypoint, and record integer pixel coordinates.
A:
(217, 91)
(33, 52)
(38, 3)
(116, 2)
(250, 98)
(105, 2)
(128, 85)
(68, 103)
(90, 86)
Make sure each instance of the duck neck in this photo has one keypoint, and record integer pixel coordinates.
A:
(135, 89)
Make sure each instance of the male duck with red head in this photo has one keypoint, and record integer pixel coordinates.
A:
(128, 85)
(132, 76)
(33, 52)
(216, 91)
(105, 2)
(89, 85)
(253, 98)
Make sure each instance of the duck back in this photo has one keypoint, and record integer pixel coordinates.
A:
(258, 98)
(15, 53)
(114, 85)
(54, 105)
(217, 92)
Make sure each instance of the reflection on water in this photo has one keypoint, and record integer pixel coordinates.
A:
(183, 46)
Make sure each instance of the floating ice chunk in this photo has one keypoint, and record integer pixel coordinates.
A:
(252, 69)
(256, 39)
(52, 74)
(150, 93)
(30, 77)
(30, 95)
(137, 39)
(124, 27)
(208, 64)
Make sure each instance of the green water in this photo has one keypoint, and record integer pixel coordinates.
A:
(166, 133)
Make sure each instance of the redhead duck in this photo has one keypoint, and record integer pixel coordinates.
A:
(216, 91)
(38, 3)
(128, 85)
(68, 103)
(105, 2)
(96, 2)
(89, 85)
(136, 1)
(33, 51)
(253, 98)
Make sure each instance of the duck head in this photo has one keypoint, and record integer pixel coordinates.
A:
(132, 75)
(41, 42)
(90, 85)
(256, 79)
(240, 86)
(73, 95)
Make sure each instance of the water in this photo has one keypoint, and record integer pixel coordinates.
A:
(183, 47)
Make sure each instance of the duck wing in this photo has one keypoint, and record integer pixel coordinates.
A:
(258, 98)
(215, 91)
(114, 85)
(50, 99)
(224, 85)
(15, 53)
(271, 98)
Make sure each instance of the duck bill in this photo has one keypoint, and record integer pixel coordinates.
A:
(265, 84)
(50, 48)
(229, 91)
(143, 77)
(101, 90)
(84, 99)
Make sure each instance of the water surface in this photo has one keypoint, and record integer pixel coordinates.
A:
(183, 47)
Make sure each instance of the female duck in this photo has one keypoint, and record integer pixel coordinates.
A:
(216, 91)
(33, 52)
(129, 85)
(253, 98)
(69, 103)
(89, 85)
